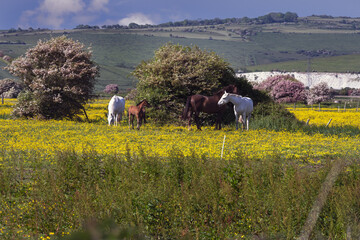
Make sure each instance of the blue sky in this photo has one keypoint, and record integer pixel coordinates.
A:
(67, 14)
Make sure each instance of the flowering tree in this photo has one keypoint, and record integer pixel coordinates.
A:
(355, 92)
(287, 91)
(270, 82)
(318, 93)
(111, 89)
(9, 88)
(59, 78)
(283, 88)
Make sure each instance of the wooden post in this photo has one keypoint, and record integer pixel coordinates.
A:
(329, 122)
(222, 149)
(319, 107)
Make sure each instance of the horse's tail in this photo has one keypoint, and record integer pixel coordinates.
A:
(187, 106)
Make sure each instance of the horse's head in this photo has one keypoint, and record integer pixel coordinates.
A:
(231, 89)
(111, 118)
(146, 103)
(224, 99)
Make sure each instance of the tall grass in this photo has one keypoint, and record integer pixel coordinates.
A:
(175, 197)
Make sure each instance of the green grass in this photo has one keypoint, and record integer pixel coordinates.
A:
(171, 198)
(346, 63)
(119, 52)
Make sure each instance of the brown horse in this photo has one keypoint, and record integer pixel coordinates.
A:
(207, 104)
(139, 112)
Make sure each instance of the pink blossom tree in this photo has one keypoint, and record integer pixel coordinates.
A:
(59, 78)
(318, 93)
(111, 89)
(287, 91)
(283, 88)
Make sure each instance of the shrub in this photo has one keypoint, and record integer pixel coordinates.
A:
(111, 89)
(176, 72)
(318, 93)
(355, 92)
(9, 88)
(58, 76)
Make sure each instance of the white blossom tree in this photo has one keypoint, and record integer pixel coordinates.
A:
(59, 78)
(318, 93)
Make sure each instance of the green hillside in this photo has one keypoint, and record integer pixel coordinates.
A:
(345, 63)
(330, 44)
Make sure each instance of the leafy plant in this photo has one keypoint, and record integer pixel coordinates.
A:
(58, 76)
(176, 72)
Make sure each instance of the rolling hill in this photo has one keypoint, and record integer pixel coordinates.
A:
(328, 44)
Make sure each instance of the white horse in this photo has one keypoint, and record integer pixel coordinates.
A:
(243, 106)
(116, 109)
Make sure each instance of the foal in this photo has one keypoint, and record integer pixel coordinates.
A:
(139, 112)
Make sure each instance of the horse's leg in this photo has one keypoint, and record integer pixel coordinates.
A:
(190, 113)
(218, 120)
(243, 118)
(247, 122)
(236, 120)
(197, 120)
(144, 117)
(131, 120)
(138, 116)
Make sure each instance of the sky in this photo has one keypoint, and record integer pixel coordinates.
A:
(67, 14)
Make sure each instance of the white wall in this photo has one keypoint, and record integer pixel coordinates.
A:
(334, 80)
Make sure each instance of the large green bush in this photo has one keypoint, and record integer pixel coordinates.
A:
(176, 72)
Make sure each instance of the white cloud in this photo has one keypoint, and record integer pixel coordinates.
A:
(60, 8)
(98, 5)
(52, 12)
(138, 18)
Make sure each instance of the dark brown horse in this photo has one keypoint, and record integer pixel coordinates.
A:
(139, 112)
(207, 104)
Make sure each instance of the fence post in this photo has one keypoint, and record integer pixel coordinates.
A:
(222, 149)
(319, 107)
(329, 122)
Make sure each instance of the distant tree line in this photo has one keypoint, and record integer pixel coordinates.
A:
(268, 18)
(30, 29)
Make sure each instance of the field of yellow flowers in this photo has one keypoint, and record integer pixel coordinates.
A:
(48, 137)
(339, 117)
